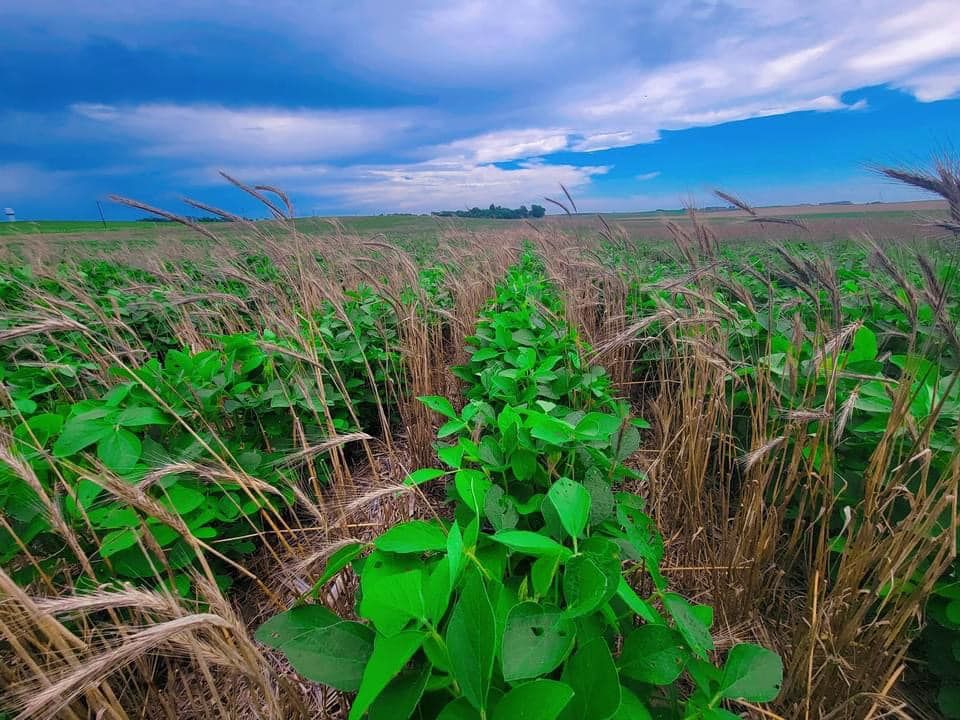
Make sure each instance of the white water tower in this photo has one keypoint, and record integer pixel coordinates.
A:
(11, 215)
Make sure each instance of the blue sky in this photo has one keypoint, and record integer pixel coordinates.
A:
(373, 106)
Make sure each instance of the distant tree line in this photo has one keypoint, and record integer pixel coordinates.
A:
(496, 212)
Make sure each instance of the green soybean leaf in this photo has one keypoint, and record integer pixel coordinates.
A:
(472, 641)
(400, 698)
(530, 543)
(78, 434)
(626, 442)
(114, 542)
(455, 555)
(549, 429)
(337, 562)
(119, 450)
(499, 510)
(537, 700)
(592, 675)
(472, 485)
(602, 501)
(418, 477)
(584, 586)
(414, 536)
(640, 606)
(139, 416)
(751, 673)
(439, 404)
(536, 639)
(653, 654)
(390, 655)
(459, 709)
(523, 463)
(690, 625)
(320, 645)
(631, 708)
(571, 500)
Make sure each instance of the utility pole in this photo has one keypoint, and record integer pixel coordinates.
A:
(100, 209)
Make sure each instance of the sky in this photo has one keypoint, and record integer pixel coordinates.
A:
(372, 106)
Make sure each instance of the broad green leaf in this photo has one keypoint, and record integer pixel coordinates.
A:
(549, 429)
(536, 700)
(119, 450)
(471, 642)
(499, 510)
(337, 561)
(602, 502)
(455, 556)
(401, 697)
(536, 639)
(640, 606)
(751, 673)
(439, 404)
(626, 442)
(523, 463)
(631, 708)
(653, 654)
(472, 485)
(459, 709)
(592, 675)
(414, 536)
(79, 434)
(390, 655)
(571, 500)
(320, 645)
(391, 591)
(417, 477)
(530, 543)
(114, 542)
(691, 627)
(182, 499)
(139, 416)
(584, 586)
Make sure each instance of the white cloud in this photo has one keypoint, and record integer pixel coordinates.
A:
(643, 177)
(506, 145)
(214, 132)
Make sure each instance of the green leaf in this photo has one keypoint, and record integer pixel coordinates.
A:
(626, 442)
(114, 542)
(390, 655)
(320, 645)
(455, 555)
(439, 404)
(523, 463)
(588, 584)
(640, 606)
(592, 675)
(459, 709)
(653, 654)
(602, 502)
(549, 429)
(182, 499)
(571, 500)
(472, 485)
(499, 509)
(139, 416)
(471, 641)
(78, 434)
(530, 543)
(337, 562)
(415, 536)
(536, 639)
(631, 708)
(119, 450)
(537, 700)
(401, 697)
(391, 591)
(691, 627)
(418, 477)
(751, 673)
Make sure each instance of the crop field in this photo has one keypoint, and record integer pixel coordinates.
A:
(408, 467)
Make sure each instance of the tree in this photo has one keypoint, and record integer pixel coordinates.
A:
(537, 211)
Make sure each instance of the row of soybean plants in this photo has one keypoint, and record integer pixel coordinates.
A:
(198, 437)
(520, 603)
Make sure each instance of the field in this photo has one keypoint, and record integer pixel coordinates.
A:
(582, 467)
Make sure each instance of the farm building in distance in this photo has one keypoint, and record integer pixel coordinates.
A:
(11, 215)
